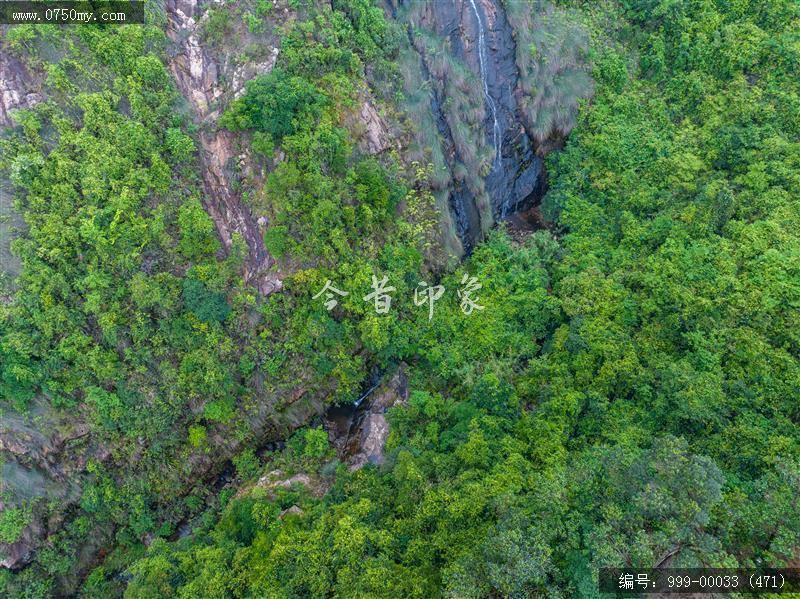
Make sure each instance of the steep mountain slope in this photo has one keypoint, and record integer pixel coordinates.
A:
(622, 394)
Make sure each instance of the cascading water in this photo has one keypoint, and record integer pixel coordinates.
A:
(478, 36)
(497, 139)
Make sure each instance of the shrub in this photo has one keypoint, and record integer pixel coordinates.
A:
(277, 240)
(206, 305)
(273, 103)
(13, 521)
(197, 435)
(198, 238)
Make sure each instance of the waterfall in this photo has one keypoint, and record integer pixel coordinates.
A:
(496, 137)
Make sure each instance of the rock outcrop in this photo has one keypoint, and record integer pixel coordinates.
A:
(199, 79)
(376, 135)
(274, 479)
(277, 479)
(43, 456)
(359, 432)
(373, 431)
(19, 88)
(291, 511)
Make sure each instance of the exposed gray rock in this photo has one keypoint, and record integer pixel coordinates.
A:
(374, 432)
(247, 71)
(16, 555)
(376, 136)
(393, 392)
(19, 88)
(273, 479)
(291, 511)
(374, 429)
(198, 77)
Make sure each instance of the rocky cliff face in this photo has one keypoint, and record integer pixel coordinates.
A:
(30, 465)
(467, 58)
(43, 456)
(44, 453)
(359, 431)
(198, 74)
(461, 60)
(19, 89)
(209, 77)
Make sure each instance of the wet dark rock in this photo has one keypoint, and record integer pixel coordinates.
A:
(515, 178)
(359, 432)
(523, 223)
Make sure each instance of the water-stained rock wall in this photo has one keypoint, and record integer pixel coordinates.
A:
(468, 65)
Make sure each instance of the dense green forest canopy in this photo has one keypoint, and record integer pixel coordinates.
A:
(629, 393)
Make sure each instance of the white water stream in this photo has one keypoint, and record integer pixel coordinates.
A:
(496, 137)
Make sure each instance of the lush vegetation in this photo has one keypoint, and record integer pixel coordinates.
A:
(125, 315)
(629, 393)
(119, 275)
